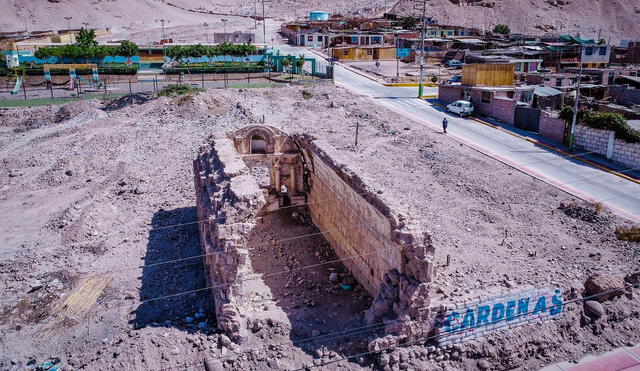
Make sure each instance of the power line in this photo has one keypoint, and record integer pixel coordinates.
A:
(324, 338)
(168, 227)
(447, 334)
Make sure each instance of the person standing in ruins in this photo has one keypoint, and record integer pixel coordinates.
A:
(285, 196)
(445, 124)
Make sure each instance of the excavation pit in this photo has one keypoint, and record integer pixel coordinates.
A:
(322, 299)
(279, 216)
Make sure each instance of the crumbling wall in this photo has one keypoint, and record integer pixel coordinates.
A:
(228, 198)
(390, 259)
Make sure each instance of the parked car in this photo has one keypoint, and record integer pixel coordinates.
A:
(455, 78)
(461, 107)
(454, 63)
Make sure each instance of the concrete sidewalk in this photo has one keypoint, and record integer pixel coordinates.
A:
(624, 358)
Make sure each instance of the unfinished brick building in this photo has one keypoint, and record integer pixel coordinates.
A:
(258, 170)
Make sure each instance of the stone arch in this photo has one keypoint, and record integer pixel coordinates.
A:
(258, 144)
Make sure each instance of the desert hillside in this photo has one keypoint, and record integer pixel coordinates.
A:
(614, 19)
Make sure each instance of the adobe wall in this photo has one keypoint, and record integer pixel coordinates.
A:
(391, 259)
(227, 200)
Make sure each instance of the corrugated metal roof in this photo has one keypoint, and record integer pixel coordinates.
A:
(546, 91)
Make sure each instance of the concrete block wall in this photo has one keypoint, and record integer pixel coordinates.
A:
(627, 154)
(503, 109)
(591, 140)
(512, 309)
(551, 127)
(604, 143)
(625, 95)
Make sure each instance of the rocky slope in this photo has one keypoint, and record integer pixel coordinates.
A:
(612, 20)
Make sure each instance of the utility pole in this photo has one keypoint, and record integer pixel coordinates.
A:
(264, 26)
(206, 34)
(422, 32)
(164, 37)
(224, 22)
(575, 111)
(255, 14)
(68, 23)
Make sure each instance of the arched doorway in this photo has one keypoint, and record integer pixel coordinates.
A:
(258, 144)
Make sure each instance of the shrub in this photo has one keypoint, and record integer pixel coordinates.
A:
(178, 52)
(502, 29)
(408, 23)
(306, 94)
(614, 122)
(176, 90)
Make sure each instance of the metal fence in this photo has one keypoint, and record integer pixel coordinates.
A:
(142, 83)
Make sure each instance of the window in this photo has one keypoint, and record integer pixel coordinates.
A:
(486, 97)
(559, 81)
(588, 50)
(319, 38)
(518, 67)
(309, 38)
(510, 94)
(345, 52)
(603, 50)
(369, 52)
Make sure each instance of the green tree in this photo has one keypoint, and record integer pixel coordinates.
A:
(286, 62)
(502, 29)
(127, 49)
(300, 63)
(86, 38)
(408, 23)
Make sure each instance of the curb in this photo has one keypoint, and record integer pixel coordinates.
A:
(550, 147)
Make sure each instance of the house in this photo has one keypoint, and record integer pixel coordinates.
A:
(363, 52)
(595, 56)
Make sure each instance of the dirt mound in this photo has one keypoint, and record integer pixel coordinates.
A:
(127, 100)
(588, 214)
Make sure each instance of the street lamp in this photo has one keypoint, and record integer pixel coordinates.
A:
(224, 22)
(162, 22)
(68, 23)
(205, 31)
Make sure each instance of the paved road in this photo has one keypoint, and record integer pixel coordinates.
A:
(571, 175)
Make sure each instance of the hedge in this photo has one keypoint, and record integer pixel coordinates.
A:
(214, 69)
(603, 121)
(80, 71)
(614, 122)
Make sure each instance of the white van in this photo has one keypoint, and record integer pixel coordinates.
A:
(461, 107)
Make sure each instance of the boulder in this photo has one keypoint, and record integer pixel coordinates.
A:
(605, 286)
(593, 309)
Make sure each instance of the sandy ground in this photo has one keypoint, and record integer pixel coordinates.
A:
(93, 202)
(400, 72)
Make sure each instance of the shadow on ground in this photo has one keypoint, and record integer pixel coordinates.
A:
(320, 297)
(161, 294)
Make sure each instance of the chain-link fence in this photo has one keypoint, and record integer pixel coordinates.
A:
(34, 87)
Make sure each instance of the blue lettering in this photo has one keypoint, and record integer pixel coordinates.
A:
(469, 320)
(541, 305)
(557, 303)
(523, 306)
(511, 309)
(498, 312)
(483, 314)
(447, 323)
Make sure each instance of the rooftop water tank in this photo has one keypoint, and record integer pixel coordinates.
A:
(318, 16)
